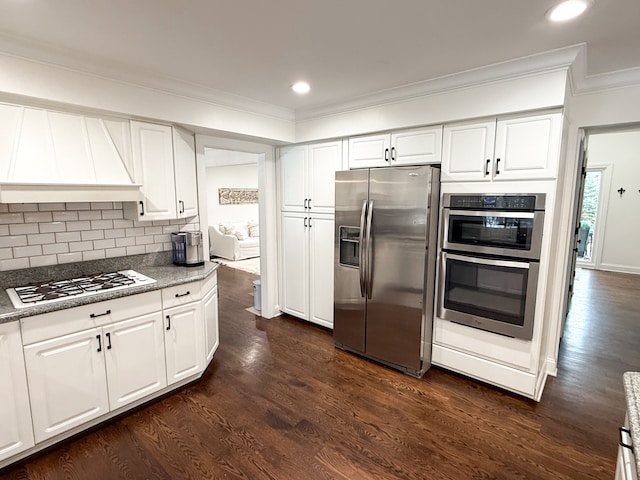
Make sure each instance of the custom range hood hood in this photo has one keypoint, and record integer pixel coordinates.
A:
(51, 156)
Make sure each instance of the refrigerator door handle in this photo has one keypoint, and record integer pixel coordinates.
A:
(369, 251)
(361, 251)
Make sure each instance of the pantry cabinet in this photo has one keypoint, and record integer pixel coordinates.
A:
(307, 267)
(409, 147)
(307, 177)
(16, 433)
(517, 148)
(165, 165)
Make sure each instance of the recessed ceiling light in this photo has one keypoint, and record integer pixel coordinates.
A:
(300, 87)
(567, 10)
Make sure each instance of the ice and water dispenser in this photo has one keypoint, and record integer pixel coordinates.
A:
(349, 246)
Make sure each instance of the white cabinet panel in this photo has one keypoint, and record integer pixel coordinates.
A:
(370, 151)
(467, 151)
(293, 178)
(134, 351)
(528, 148)
(321, 245)
(417, 147)
(295, 264)
(153, 158)
(16, 433)
(184, 341)
(210, 311)
(185, 171)
(324, 160)
(67, 382)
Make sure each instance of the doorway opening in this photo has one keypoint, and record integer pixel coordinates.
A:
(591, 193)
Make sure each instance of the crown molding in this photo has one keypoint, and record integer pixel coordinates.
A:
(583, 84)
(40, 52)
(559, 59)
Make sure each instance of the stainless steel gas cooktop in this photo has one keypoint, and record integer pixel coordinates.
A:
(58, 290)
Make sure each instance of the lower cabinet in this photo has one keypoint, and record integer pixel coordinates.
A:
(16, 433)
(626, 466)
(210, 310)
(184, 341)
(90, 362)
(81, 376)
(307, 267)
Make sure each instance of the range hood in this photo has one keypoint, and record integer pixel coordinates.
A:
(51, 156)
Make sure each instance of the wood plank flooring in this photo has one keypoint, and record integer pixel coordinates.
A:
(280, 402)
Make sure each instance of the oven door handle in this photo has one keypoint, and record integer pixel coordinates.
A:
(523, 264)
(490, 213)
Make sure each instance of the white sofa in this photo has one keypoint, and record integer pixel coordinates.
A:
(229, 246)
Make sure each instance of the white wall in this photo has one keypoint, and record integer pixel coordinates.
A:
(621, 229)
(231, 176)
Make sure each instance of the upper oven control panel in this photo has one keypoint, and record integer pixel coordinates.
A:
(494, 202)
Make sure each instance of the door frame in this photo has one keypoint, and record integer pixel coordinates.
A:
(267, 210)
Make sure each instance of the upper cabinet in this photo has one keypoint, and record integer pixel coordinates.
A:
(51, 156)
(522, 148)
(165, 164)
(307, 177)
(410, 147)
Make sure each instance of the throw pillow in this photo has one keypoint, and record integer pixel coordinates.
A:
(241, 234)
(227, 229)
(254, 229)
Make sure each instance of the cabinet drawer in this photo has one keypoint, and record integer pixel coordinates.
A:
(70, 320)
(180, 294)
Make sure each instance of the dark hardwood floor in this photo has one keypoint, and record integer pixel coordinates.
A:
(280, 402)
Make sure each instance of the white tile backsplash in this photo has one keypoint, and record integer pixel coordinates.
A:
(33, 235)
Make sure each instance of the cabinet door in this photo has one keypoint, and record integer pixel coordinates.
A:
(153, 158)
(528, 148)
(295, 265)
(467, 151)
(417, 147)
(321, 244)
(16, 433)
(370, 151)
(184, 161)
(67, 382)
(293, 178)
(210, 310)
(184, 341)
(134, 352)
(324, 160)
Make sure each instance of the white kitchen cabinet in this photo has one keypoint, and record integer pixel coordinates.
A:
(184, 341)
(517, 148)
(210, 311)
(307, 266)
(626, 466)
(16, 433)
(135, 359)
(165, 165)
(67, 382)
(307, 177)
(418, 146)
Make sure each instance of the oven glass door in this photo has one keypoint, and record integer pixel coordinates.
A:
(501, 233)
(495, 295)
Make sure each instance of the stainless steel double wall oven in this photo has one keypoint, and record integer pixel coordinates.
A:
(490, 261)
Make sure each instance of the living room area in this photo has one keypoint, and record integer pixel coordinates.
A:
(233, 209)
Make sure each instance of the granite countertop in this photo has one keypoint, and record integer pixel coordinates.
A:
(156, 265)
(631, 382)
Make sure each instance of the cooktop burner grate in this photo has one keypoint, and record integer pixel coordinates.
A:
(81, 286)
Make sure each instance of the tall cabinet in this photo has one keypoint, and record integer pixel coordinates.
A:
(307, 178)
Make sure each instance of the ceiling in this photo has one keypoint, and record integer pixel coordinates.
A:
(256, 49)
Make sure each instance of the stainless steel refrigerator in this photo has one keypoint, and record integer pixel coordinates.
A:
(385, 259)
